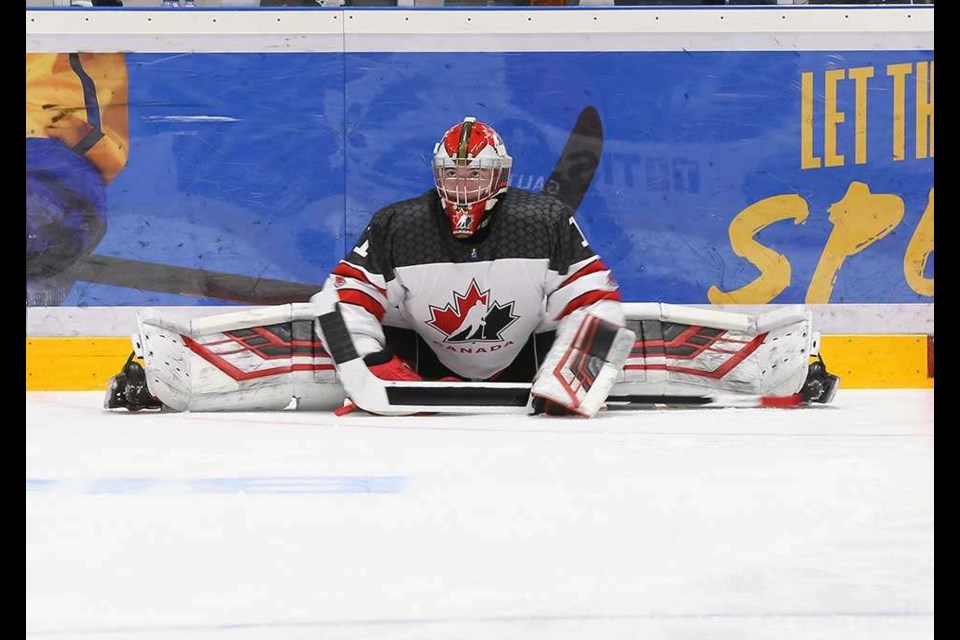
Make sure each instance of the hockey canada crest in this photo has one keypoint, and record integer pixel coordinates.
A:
(473, 317)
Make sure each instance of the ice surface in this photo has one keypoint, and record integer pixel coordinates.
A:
(682, 524)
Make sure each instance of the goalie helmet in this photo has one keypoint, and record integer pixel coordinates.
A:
(471, 169)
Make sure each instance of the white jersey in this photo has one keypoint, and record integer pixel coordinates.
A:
(476, 302)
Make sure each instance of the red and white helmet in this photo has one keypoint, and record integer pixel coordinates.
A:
(471, 169)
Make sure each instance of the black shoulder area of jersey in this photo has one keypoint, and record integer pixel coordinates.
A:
(411, 232)
(535, 205)
(529, 225)
(413, 212)
(523, 224)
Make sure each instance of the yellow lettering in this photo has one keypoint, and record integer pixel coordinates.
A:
(831, 118)
(860, 75)
(859, 219)
(899, 73)
(774, 267)
(918, 252)
(924, 109)
(807, 159)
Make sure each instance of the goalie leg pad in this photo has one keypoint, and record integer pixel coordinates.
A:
(582, 365)
(688, 351)
(263, 359)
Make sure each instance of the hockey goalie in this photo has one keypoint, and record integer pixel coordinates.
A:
(470, 298)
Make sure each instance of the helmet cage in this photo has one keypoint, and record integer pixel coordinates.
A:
(466, 181)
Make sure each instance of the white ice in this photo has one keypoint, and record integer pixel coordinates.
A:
(716, 524)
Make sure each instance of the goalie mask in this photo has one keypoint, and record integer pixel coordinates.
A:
(471, 169)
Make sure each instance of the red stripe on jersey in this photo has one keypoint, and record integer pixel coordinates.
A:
(361, 299)
(593, 267)
(587, 299)
(345, 270)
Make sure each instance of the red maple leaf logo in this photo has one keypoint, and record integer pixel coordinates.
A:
(450, 319)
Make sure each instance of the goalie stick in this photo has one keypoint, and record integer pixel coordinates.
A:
(402, 398)
(385, 397)
(569, 181)
(497, 397)
(726, 400)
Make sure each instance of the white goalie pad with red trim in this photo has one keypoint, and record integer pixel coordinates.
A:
(262, 359)
(270, 358)
(689, 351)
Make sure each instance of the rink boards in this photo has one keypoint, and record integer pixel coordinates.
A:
(868, 346)
(751, 156)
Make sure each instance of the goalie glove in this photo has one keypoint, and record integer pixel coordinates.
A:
(581, 367)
